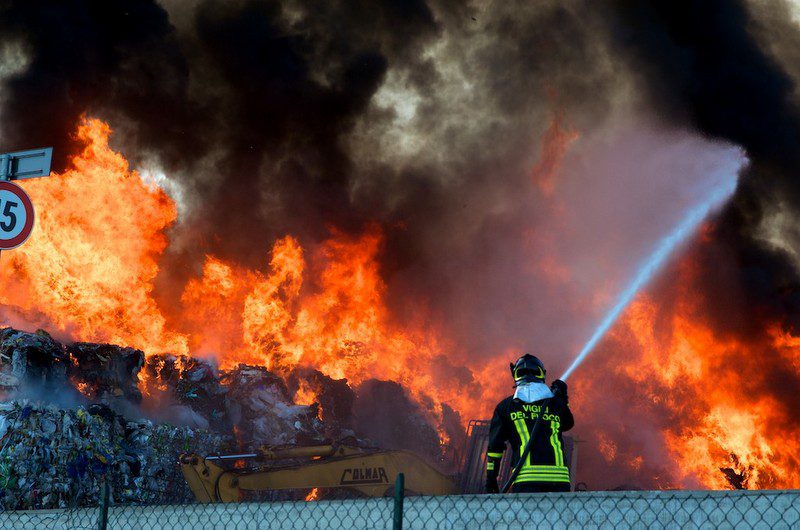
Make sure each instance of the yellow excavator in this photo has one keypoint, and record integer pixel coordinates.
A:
(370, 473)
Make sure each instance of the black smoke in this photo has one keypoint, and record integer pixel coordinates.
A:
(703, 63)
(109, 59)
(269, 100)
(715, 65)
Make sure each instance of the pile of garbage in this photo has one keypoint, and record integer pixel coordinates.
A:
(108, 370)
(32, 358)
(57, 458)
(75, 415)
(252, 399)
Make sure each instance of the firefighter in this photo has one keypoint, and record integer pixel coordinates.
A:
(544, 469)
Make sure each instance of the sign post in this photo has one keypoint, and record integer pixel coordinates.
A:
(16, 208)
(26, 164)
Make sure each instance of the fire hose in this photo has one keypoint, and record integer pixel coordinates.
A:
(525, 452)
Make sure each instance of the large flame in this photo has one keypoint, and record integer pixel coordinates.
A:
(89, 269)
(90, 263)
(339, 325)
(721, 429)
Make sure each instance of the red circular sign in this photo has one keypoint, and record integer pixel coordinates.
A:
(16, 216)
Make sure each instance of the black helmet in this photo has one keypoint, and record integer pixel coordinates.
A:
(527, 369)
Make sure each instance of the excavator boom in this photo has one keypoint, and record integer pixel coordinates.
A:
(370, 473)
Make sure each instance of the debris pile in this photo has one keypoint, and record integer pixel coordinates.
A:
(251, 398)
(334, 396)
(261, 404)
(57, 458)
(108, 371)
(31, 358)
(72, 416)
(410, 429)
(198, 387)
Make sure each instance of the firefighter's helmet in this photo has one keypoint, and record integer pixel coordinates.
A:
(528, 369)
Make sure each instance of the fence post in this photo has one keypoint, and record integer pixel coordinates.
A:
(399, 494)
(104, 495)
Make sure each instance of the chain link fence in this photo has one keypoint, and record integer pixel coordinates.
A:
(611, 510)
(631, 509)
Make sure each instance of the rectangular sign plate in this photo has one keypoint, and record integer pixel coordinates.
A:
(26, 164)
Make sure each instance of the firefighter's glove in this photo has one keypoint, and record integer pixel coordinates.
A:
(559, 388)
(491, 483)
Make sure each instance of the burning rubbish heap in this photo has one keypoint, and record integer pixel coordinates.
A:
(74, 414)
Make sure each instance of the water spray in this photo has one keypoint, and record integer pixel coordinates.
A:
(647, 270)
(644, 274)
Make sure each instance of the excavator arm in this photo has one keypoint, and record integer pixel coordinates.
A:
(372, 474)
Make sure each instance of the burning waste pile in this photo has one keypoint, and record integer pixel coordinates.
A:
(74, 414)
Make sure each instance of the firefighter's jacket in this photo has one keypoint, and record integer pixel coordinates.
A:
(513, 422)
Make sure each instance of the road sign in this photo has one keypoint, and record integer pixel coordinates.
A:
(16, 216)
(26, 164)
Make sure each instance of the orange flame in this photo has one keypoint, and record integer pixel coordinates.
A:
(722, 432)
(339, 324)
(84, 388)
(306, 395)
(313, 495)
(91, 261)
(89, 272)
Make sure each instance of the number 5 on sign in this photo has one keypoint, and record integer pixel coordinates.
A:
(16, 216)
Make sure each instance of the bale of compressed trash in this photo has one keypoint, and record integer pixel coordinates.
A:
(406, 428)
(199, 387)
(108, 370)
(33, 358)
(334, 396)
(262, 407)
(57, 458)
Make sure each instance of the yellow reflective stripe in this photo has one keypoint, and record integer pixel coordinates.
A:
(545, 474)
(522, 430)
(548, 469)
(565, 473)
(556, 443)
(559, 475)
(542, 479)
(542, 473)
(490, 466)
(495, 455)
